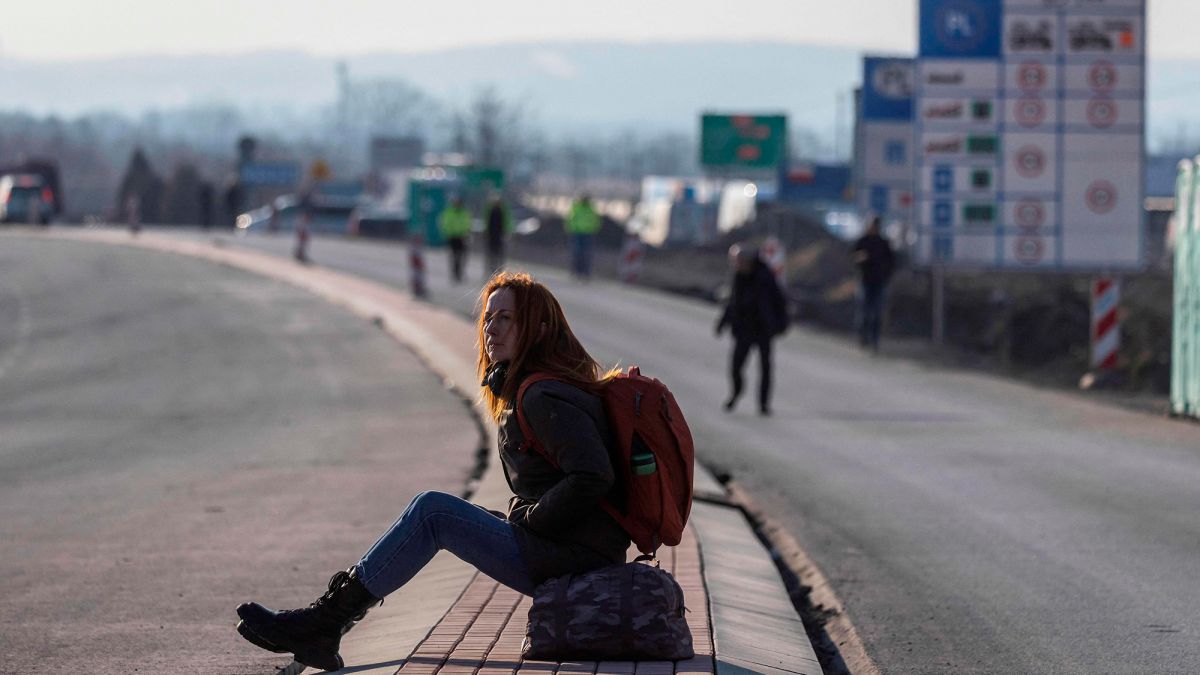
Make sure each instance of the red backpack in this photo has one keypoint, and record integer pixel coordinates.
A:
(653, 456)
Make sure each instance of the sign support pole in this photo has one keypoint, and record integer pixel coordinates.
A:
(939, 304)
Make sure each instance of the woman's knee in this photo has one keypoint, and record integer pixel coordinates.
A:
(432, 501)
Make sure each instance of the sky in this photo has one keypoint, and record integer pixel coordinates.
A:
(57, 30)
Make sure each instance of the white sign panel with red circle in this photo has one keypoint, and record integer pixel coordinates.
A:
(1030, 161)
(1029, 214)
(1034, 113)
(1029, 111)
(1029, 249)
(1030, 77)
(1101, 196)
(1103, 76)
(1102, 113)
(1030, 164)
(1066, 155)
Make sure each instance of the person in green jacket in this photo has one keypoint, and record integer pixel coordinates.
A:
(454, 224)
(582, 224)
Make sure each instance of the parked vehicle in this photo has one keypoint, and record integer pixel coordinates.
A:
(25, 198)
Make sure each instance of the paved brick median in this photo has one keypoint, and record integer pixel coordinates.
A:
(482, 632)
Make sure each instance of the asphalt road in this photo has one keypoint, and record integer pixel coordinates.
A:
(178, 437)
(969, 523)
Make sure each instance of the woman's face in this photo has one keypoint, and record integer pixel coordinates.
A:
(499, 326)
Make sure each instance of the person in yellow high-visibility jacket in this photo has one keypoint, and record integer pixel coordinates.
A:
(454, 224)
(582, 224)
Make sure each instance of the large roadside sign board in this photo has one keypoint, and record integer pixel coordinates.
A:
(886, 127)
(1029, 124)
(743, 141)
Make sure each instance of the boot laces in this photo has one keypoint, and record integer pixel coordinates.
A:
(338, 580)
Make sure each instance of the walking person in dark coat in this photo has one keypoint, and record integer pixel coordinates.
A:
(756, 314)
(555, 525)
(875, 260)
(499, 226)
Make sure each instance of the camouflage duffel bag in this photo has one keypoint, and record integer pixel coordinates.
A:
(622, 613)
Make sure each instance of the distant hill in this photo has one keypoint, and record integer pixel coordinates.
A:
(569, 86)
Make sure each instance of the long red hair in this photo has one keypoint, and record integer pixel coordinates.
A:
(545, 343)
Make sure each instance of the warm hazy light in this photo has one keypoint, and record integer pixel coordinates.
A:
(84, 29)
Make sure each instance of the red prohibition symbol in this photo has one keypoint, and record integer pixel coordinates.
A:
(1028, 250)
(1030, 214)
(1030, 161)
(1102, 77)
(1101, 196)
(1030, 111)
(1031, 76)
(1102, 112)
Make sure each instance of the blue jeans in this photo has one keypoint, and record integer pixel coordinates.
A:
(581, 254)
(437, 521)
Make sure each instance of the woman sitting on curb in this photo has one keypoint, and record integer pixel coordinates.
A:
(555, 524)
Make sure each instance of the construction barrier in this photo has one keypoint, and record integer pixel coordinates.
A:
(1185, 342)
(1106, 323)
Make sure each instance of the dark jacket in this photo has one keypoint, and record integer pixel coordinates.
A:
(497, 226)
(876, 266)
(756, 307)
(561, 527)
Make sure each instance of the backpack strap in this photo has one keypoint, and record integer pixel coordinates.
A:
(527, 431)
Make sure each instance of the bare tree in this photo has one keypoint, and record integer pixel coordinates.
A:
(377, 107)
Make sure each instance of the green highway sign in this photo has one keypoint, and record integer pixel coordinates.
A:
(743, 141)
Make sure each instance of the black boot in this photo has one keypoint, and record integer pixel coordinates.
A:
(314, 633)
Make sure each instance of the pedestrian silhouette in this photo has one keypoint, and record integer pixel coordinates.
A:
(499, 226)
(756, 314)
(875, 260)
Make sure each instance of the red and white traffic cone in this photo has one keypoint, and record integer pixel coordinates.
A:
(630, 263)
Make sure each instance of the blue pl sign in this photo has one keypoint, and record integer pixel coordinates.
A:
(887, 89)
(960, 28)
